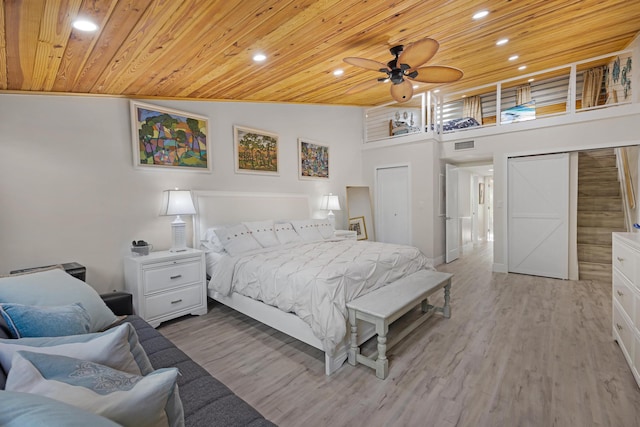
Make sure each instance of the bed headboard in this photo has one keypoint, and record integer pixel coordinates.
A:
(227, 207)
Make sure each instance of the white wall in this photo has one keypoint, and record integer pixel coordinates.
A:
(607, 131)
(423, 158)
(69, 191)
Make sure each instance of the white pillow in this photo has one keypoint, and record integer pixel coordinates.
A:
(117, 347)
(127, 399)
(56, 287)
(210, 241)
(26, 409)
(286, 233)
(263, 232)
(237, 239)
(325, 228)
(308, 230)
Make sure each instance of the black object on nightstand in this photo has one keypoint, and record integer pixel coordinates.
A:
(75, 269)
(121, 303)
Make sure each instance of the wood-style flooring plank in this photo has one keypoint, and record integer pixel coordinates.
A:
(518, 350)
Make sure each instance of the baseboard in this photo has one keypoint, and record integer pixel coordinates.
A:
(437, 260)
(500, 268)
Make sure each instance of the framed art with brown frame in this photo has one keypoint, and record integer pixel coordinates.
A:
(166, 138)
(255, 151)
(358, 225)
(313, 160)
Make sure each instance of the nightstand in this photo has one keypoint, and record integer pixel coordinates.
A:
(345, 234)
(166, 285)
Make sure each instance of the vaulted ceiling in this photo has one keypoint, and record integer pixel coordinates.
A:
(203, 49)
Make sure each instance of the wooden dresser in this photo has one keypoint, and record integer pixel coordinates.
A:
(626, 297)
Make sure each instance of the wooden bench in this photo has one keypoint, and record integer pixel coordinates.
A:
(387, 304)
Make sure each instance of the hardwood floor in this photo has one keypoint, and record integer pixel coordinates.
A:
(518, 351)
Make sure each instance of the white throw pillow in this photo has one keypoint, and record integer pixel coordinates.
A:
(308, 230)
(263, 232)
(127, 399)
(325, 228)
(117, 347)
(210, 242)
(286, 233)
(237, 239)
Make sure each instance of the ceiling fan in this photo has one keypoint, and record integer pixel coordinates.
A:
(406, 66)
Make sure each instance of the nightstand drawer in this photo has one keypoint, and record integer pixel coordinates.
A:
(171, 302)
(170, 275)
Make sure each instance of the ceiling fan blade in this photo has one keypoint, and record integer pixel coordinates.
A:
(362, 86)
(402, 92)
(437, 74)
(419, 52)
(369, 64)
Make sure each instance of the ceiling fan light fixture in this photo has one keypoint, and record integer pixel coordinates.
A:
(481, 14)
(84, 25)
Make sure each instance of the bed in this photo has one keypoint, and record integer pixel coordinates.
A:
(312, 276)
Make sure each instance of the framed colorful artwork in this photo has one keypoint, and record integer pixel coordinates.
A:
(166, 138)
(256, 151)
(358, 225)
(313, 160)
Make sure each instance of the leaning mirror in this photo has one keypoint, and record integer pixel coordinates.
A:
(360, 212)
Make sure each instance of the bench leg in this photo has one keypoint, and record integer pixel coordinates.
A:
(354, 350)
(446, 310)
(382, 363)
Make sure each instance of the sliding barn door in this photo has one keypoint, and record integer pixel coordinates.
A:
(539, 215)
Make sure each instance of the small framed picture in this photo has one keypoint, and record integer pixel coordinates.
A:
(256, 151)
(169, 139)
(313, 160)
(358, 225)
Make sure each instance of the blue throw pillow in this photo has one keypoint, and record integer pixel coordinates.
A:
(27, 409)
(56, 287)
(45, 321)
(127, 399)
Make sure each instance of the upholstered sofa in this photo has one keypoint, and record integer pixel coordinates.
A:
(205, 400)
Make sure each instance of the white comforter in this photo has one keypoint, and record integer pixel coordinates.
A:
(315, 280)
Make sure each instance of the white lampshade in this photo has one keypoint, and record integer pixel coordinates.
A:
(177, 202)
(331, 202)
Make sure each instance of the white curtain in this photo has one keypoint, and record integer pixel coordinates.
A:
(472, 107)
(591, 87)
(523, 94)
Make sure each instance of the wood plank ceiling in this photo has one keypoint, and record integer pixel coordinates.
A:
(202, 49)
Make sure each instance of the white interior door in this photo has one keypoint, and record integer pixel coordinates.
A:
(393, 220)
(539, 215)
(452, 224)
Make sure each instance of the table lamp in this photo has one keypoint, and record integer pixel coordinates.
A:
(331, 203)
(177, 202)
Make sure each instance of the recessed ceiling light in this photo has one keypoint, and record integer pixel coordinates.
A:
(436, 91)
(84, 25)
(513, 57)
(530, 80)
(480, 14)
(522, 67)
(490, 170)
(502, 41)
(415, 86)
(259, 57)
(338, 72)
